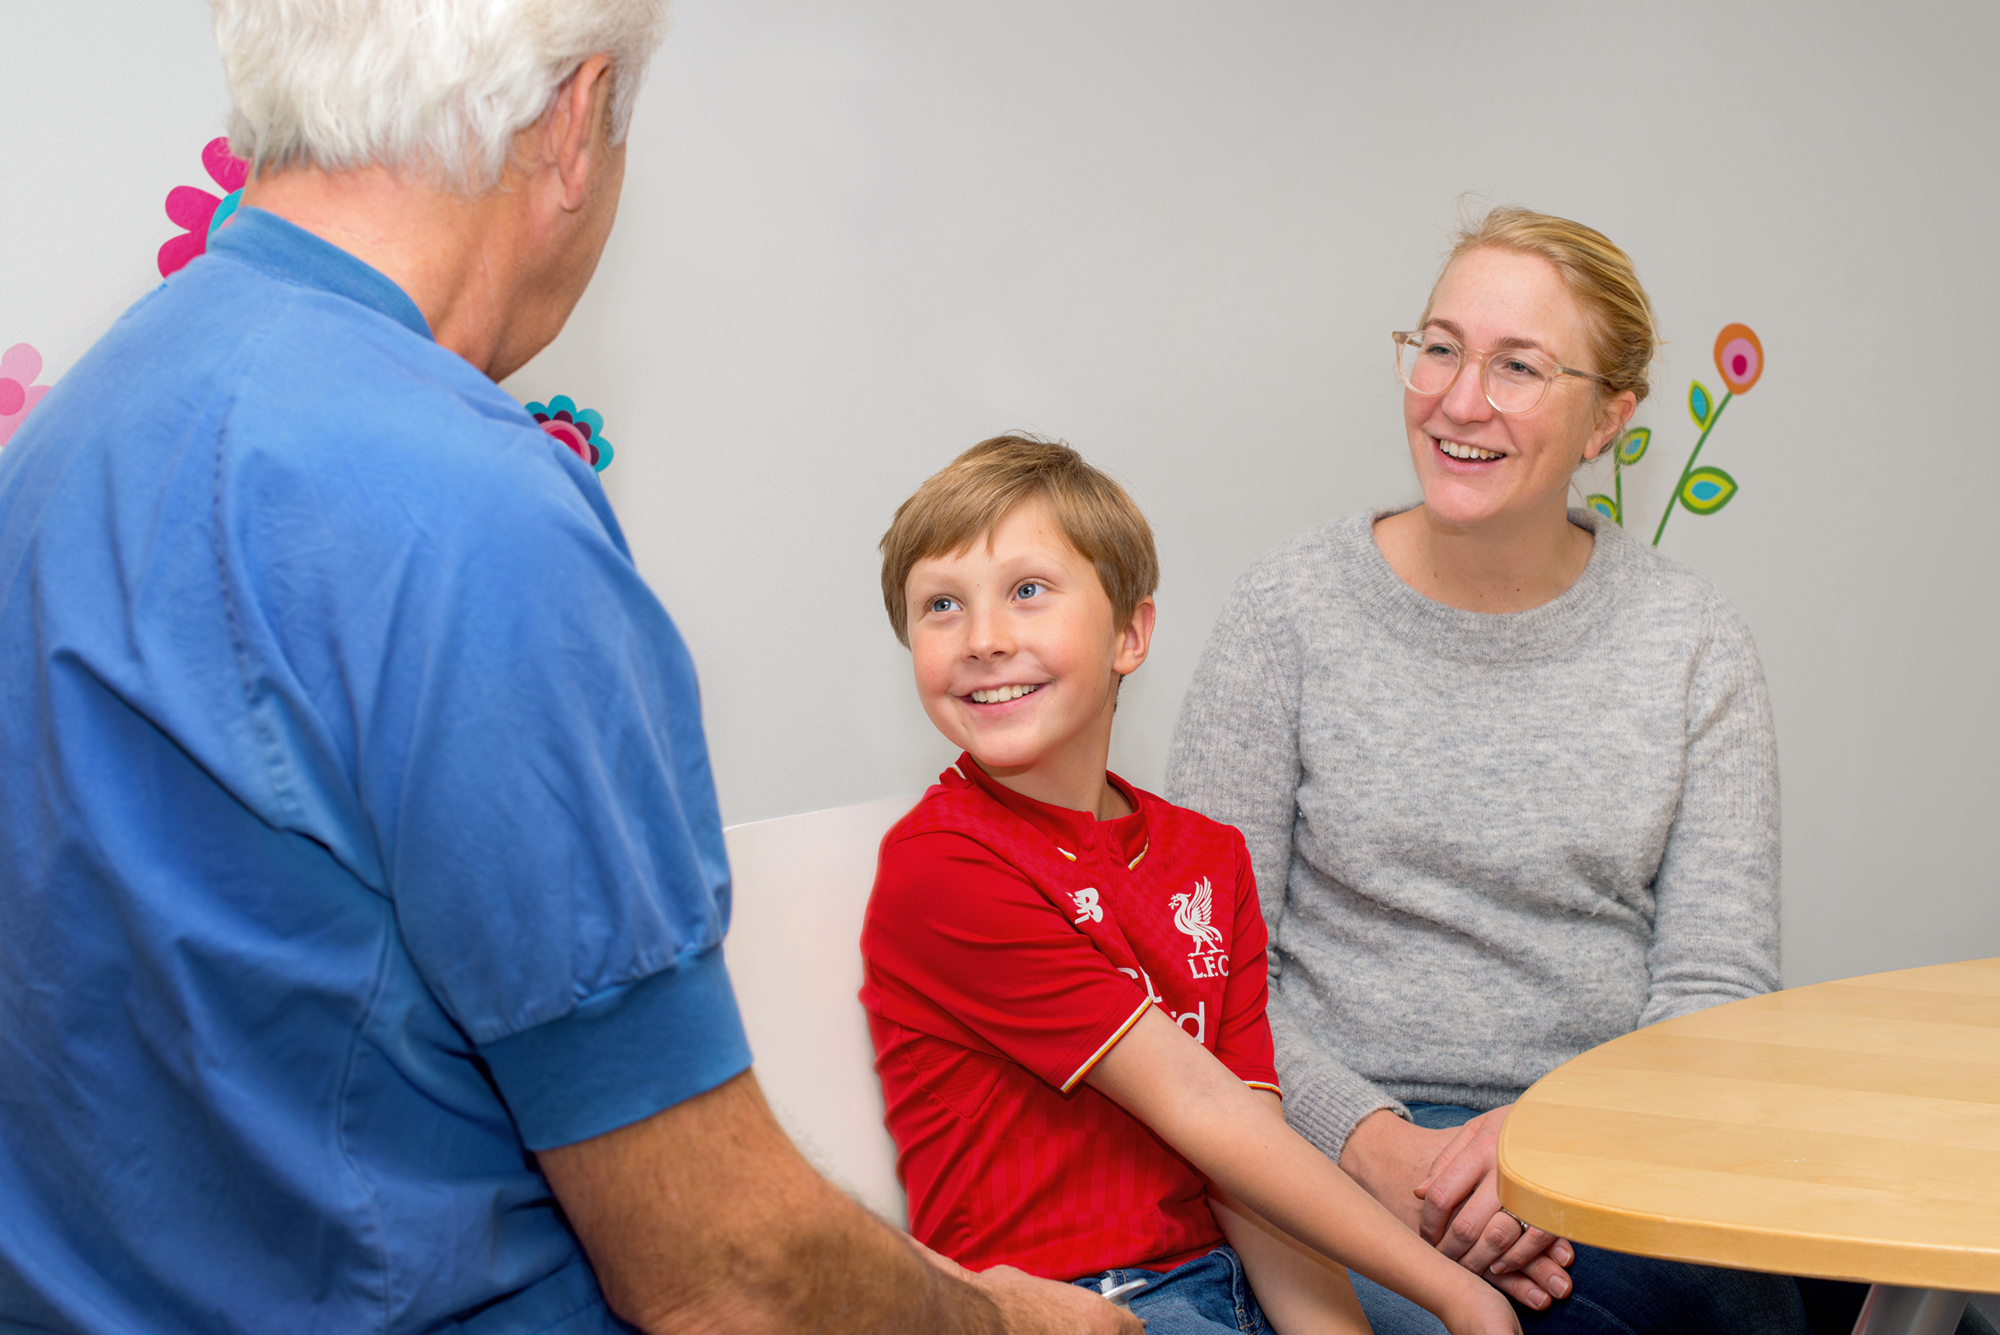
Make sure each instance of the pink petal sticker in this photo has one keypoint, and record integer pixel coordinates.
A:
(9, 421)
(224, 168)
(21, 362)
(13, 397)
(191, 208)
(570, 436)
(179, 250)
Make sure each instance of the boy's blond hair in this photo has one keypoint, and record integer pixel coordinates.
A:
(971, 495)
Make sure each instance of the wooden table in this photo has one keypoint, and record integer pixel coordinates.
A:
(1846, 1130)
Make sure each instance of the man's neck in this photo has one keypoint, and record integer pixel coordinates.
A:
(449, 252)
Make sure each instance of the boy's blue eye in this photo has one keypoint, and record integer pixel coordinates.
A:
(940, 604)
(1028, 590)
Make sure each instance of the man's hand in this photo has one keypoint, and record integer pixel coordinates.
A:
(1445, 1185)
(704, 1218)
(1038, 1306)
(1043, 1307)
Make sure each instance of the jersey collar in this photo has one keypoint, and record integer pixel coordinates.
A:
(1072, 832)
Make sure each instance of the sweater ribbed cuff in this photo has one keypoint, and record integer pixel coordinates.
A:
(1324, 1100)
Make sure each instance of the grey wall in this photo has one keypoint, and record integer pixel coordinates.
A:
(857, 237)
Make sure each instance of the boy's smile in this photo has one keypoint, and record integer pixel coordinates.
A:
(1017, 659)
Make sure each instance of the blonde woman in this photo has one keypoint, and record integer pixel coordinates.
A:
(1508, 779)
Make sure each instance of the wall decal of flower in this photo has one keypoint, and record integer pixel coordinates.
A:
(1739, 358)
(200, 212)
(20, 366)
(581, 429)
(1627, 450)
(1739, 355)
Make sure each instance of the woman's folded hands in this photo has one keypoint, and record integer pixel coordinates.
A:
(1444, 1184)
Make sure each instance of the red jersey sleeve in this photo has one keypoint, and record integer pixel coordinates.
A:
(960, 945)
(1243, 1043)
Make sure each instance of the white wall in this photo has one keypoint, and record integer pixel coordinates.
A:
(859, 236)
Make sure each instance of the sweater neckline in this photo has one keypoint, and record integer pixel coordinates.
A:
(1485, 637)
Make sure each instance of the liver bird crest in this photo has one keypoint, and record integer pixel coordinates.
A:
(1192, 914)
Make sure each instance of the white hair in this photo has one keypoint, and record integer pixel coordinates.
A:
(438, 87)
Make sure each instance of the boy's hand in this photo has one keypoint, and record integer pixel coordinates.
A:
(1033, 1306)
(1482, 1311)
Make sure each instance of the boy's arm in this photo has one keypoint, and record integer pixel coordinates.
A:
(1301, 1291)
(1160, 1075)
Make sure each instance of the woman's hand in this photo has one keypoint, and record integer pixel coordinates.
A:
(1462, 1217)
(1442, 1181)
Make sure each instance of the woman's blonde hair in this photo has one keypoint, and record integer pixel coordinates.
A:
(974, 492)
(1598, 274)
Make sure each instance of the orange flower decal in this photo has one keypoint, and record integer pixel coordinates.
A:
(1739, 356)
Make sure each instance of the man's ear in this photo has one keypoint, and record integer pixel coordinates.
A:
(576, 130)
(1136, 639)
(1611, 420)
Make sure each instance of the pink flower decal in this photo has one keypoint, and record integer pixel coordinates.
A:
(200, 212)
(19, 366)
(581, 429)
(1739, 356)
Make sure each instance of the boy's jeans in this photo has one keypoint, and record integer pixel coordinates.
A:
(1205, 1296)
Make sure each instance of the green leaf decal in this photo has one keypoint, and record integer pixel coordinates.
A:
(1632, 445)
(1603, 504)
(1701, 405)
(1707, 490)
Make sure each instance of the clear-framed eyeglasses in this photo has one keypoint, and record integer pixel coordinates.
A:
(1514, 380)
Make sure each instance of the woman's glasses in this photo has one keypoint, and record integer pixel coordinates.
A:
(1514, 380)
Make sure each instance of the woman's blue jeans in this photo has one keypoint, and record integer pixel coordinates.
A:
(1617, 1294)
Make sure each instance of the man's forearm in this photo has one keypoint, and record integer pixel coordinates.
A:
(841, 1271)
(704, 1218)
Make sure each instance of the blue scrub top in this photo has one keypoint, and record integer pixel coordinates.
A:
(357, 835)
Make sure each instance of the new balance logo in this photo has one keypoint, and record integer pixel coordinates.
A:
(1087, 907)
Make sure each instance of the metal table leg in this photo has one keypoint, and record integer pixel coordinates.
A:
(1893, 1311)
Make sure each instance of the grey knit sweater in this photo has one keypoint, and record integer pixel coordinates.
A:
(1484, 843)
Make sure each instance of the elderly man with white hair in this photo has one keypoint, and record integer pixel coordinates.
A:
(361, 879)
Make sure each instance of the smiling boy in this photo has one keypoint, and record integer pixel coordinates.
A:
(1064, 975)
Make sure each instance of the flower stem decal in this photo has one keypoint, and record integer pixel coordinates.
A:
(1739, 356)
(1681, 488)
(581, 429)
(200, 212)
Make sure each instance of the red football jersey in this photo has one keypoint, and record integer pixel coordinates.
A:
(1007, 946)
